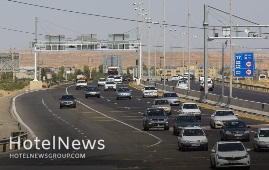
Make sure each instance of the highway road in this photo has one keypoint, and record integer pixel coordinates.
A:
(237, 93)
(118, 123)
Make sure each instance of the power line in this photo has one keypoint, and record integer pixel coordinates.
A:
(15, 30)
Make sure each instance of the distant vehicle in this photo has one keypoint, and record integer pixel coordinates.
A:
(182, 121)
(235, 130)
(126, 78)
(149, 91)
(192, 138)
(123, 92)
(229, 154)
(175, 78)
(110, 85)
(162, 103)
(210, 85)
(92, 91)
(182, 84)
(172, 98)
(118, 79)
(113, 70)
(81, 77)
(110, 78)
(219, 117)
(261, 139)
(201, 78)
(191, 109)
(81, 84)
(155, 118)
(67, 100)
(101, 82)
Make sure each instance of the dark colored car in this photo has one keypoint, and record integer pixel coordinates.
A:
(67, 100)
(155, 118)
(92, 92)
(235, 130)
(184, 120)
(126, 78)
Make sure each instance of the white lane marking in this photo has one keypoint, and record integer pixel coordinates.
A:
(116, 120)
(16, 116)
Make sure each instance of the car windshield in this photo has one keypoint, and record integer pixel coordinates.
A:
(190, 106)
(110, 77)
(92, 89)
(226, 147)
(193, 132)
(156, 112)
(170, 95)
(182, 82)
(149, 88)
(81, 81)
(186, 119)
(67, 97)
(235, 124)
(161, 102)
(110, 82)
(102, 79)
(224, 113)
(123, 90)
(117, 78)
(264, 133)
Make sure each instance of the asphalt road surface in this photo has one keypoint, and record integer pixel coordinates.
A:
(118, 123)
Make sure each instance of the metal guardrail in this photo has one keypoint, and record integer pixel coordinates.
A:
(5, 143)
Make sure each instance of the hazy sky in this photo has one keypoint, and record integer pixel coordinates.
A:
(20, 17)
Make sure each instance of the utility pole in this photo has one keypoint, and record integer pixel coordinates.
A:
(231, 54)
(189, 57)
(164, 25)
(13, 64)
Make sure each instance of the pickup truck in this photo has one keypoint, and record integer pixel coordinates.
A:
(210, 85)
(81, 84)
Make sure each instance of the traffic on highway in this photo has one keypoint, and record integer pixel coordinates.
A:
(125, 129)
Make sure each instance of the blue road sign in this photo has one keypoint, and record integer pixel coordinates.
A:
(244, 64)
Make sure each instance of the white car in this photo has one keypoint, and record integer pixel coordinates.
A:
(110, 85)
(110, 78)
(175, 78)
(182, 84)
(220, 116)
(118, 79)
(149, 91)
(229, 154)
(192, 138)
(81, 84)
(261, 139)
(172, 98)
(101, 82)
(190, 108)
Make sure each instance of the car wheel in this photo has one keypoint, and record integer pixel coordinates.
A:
(86, 96)
(146, 128)
(211, 125)
(215, 126)
(61, 107)
(206, 148)
(211, 164)
(258, 149)
(75, 106)
(130, 97)
(118, 98)
(98, 96)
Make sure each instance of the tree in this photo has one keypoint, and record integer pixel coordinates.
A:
(87, 72)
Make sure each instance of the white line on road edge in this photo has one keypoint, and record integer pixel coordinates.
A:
(16, 116)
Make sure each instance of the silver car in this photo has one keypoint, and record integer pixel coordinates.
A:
(229, 154)
(261, 139)
(172, 98)
(123, 92)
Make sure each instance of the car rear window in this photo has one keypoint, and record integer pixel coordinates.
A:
(226, 147)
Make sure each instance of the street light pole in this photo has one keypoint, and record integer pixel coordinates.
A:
(231, 53)
(164, 25)
(189, 57)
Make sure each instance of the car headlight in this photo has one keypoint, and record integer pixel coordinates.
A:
(247, 131)
(261, 142)
(246, 156)
(220, 157)
(185, 141)
(228, 132)
(204, 140)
